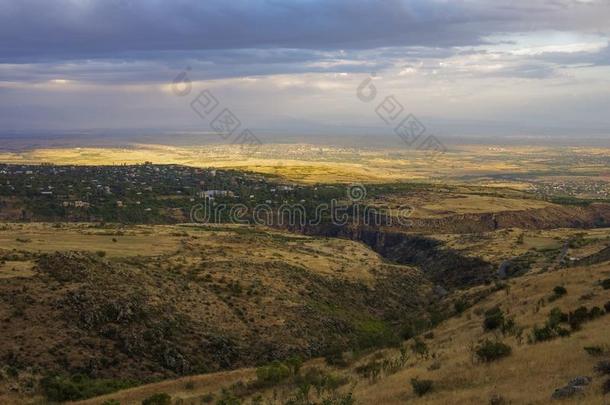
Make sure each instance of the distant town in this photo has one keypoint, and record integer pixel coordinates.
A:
(144, 193)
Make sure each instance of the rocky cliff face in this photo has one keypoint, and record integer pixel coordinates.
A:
(592, 216)
(596, 258)
(410, 245)
(440, 264)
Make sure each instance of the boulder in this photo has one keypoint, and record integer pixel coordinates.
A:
(568, 391)
(439, 291)
(579, 381)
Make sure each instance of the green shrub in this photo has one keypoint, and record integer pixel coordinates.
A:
(594, 350)
(158, 399)
(558, 292)
(595, 312)
(578, 317)
(273, 373)
(370, 370)
(332, 399)
(227, 397)
(413, 328)
(407, 332)
(547, 332)
(374, 333)
(62, 388)
(497, 400)
(509, 327)
(556, 316)
(460, 306)
(494, 319)
(420, 348)
(320, 380)
(421, 387)
(543, 334)
(334, 357)
(606, 284)
(489, 351)
(346, 399)
(207, 398)
(575, 319)
(603, 367)
(582, 315)
(294, 363)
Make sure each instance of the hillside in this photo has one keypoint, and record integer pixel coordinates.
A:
(108, 307)
(529, 374)
(137, 304)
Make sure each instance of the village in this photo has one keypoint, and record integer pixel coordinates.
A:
(136, 193)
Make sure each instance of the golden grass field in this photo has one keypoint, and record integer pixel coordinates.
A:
(224, 243)
(311, 164)
(509, 243)
(444, 204)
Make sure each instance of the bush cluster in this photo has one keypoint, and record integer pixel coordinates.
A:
(582, 315)
(489, 351)
(494, 319)
(553, 327)
(72, 388)
(158, 399)
(421, 387)
(420, 348)
(558, 292)
(272, 374)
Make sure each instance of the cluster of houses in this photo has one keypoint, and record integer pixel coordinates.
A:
(143, 186)
(577, 188)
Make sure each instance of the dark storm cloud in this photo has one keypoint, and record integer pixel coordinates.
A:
(204, 65)
(139, 40)
(75, 29)
(58, 57)
(80, 29)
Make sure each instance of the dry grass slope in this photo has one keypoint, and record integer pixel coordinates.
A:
(529, 375)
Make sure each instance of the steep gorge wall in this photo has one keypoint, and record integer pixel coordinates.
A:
(557, 216)
(442, 265)
(409, 244)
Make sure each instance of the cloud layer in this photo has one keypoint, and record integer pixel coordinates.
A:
(302, 58)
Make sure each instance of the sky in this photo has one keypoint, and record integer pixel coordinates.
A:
(464, 67)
